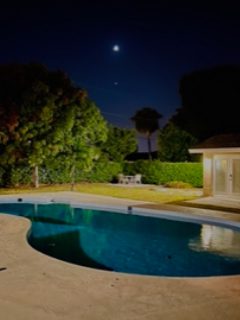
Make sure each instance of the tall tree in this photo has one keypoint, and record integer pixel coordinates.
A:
(43, 116)
(146, 121)
(83, 143)
(120, 143)
(210, 102)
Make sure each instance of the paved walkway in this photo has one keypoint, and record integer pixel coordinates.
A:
(217, 201)
(36, 286)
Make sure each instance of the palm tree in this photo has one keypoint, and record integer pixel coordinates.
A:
(146, 122)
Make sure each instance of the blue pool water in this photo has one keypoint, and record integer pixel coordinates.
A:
(130, 243)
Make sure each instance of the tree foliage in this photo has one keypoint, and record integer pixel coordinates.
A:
(210, 102)
(44, 117)
(120, 143)
(146, 121)
(173, 144)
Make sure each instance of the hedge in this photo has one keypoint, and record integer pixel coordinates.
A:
(15, 176)
(160, 173)
(153, 172)
(102, 171)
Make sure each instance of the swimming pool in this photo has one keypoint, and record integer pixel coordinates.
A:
(130, 243)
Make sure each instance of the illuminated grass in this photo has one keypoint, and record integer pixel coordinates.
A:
(144, 193)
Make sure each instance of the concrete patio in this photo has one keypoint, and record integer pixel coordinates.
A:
(36, 286)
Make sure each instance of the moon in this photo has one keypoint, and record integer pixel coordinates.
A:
(116, 48)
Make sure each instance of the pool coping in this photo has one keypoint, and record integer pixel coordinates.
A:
(37, 286)
(167, 211)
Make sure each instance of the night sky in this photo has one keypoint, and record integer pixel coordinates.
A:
(159, 42)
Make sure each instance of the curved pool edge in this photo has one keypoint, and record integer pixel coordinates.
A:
(169, 212)
(165, 213)
(180, 213)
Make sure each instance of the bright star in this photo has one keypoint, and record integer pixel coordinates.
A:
(116, 48)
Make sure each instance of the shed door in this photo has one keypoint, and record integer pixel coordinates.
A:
(227, 176)
(236, 176)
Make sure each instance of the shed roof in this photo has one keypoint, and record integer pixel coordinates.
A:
(220, 141)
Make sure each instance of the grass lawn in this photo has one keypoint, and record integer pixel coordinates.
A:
(145, 193)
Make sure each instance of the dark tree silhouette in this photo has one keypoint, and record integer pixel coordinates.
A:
(146, 121)
(210, 102)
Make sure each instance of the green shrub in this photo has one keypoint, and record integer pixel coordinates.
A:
(57, 173)
(103, 171)
(157, 172)
(1, 176)
(178, 185)
(15, 176)
(153, 172)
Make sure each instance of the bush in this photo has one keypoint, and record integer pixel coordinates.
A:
(57, 172)
(103, 171)
(157, 172)
(15, 176)
(1, 176)
(153, 172)
(178, 185)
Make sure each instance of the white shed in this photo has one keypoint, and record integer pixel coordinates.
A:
(221, 165)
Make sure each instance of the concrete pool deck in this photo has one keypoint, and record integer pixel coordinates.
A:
(35, 286)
